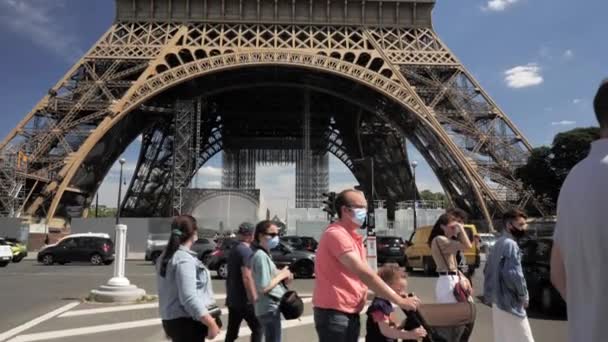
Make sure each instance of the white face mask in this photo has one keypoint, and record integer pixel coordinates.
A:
(359, 215)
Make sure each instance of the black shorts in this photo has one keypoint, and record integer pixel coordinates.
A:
(184, 330)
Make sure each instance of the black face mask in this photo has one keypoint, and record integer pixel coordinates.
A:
(517, 233)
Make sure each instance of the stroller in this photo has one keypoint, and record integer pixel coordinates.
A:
(443, 322)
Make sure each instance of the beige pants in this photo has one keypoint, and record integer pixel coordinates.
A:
(510, 328)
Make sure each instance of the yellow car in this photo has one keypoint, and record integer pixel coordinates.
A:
(418, 252)
(19, 250)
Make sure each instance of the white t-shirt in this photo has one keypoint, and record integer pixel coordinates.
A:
(582, 235)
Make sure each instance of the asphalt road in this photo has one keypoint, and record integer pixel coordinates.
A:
(29, 290)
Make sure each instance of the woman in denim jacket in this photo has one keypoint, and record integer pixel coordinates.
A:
(184, 287)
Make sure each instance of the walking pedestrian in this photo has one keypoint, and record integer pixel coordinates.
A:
(580, 239)
(505, 286)
(184, 287)
(461, 216)
(268, 280)
(447, 238)
(343, 275)
(240, 288)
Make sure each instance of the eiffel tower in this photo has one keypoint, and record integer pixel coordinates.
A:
(281, 81)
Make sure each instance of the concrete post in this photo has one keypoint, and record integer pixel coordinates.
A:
(119, 278)
(118, 289)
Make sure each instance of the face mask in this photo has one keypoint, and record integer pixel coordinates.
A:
(517, 233)
(273, 242)
(359, 216)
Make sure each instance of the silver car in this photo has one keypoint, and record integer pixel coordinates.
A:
(157, 242)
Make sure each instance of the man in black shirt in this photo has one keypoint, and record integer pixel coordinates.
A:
(240, 287)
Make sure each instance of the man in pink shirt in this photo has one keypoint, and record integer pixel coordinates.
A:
(343, 276)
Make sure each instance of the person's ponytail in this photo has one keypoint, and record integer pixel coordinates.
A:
(182, 229)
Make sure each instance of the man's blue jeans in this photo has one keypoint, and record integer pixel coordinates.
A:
(271, 322)
(336, 326)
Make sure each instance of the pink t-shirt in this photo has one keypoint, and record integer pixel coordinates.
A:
(336, 287)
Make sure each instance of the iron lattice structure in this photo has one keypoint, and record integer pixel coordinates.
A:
(375, 72)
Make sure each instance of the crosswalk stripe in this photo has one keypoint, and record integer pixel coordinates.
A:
(8, 334)
(85, 330)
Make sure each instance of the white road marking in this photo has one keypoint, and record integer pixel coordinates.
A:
(8, 334)
(86, 330)
(85, 312)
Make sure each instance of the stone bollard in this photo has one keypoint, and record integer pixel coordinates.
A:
(118, 289)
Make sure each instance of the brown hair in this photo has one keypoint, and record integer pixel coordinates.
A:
(600, 104)
(262, 228)
(460, 214)
(182, 229)
(341, 200)
(391, 272)
(513, 215)
(443, 220)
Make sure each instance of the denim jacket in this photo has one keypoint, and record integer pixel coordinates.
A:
(186, 290)
(505, 285)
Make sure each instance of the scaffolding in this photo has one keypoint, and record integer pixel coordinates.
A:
(13, 166)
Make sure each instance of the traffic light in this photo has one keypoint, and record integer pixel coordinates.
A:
(330, 204)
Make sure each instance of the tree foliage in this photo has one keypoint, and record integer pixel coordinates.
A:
(548, 166)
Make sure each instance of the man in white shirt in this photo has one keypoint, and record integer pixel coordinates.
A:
(580, 248)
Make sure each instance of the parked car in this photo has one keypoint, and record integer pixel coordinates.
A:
(418, 252)
(390, 249)
(19, 250)
(203, 247)
(157, 242)
(536, 264)
(487, 242)
(306, 243)
(155, 246)
(6, 254)
(218, 260)
(96, 248)
(301, 262)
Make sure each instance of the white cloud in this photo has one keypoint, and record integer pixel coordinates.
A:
(498, 5)
(576, 101)
(210, 171)
(38, 21)
(523, 76)
(563, 123)
(568, 54)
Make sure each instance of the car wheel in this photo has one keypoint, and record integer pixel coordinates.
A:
(222, 270)
(429, 268)
(96, 259)
(206, 257)
(155, 257)
(3, 264)
(304, 269)
(48, 260)
(546, 300)
(17, 259)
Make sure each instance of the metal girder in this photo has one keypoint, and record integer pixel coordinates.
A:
(468, 141)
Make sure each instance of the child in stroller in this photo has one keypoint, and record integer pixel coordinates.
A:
(381, 326)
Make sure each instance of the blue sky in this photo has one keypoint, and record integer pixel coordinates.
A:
(541, 61)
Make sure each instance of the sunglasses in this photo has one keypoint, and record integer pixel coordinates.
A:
(271, 234)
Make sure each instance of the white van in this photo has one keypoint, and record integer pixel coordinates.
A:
(6, 253)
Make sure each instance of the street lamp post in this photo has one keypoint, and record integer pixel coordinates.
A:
(122, 162)
(414, 164)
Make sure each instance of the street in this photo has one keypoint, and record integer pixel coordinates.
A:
(29, 290)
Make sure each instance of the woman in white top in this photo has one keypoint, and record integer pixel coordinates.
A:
(443, 249)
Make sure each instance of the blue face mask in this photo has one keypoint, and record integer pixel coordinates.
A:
(359, 216)
(273, 242)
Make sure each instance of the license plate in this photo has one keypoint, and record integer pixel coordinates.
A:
(5, 258)
(394, 249)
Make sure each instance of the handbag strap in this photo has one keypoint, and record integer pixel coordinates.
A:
(443, 257)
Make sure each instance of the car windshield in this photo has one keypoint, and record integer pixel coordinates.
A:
(390, 240)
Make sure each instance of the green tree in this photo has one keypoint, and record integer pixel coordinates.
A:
(547, 167)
